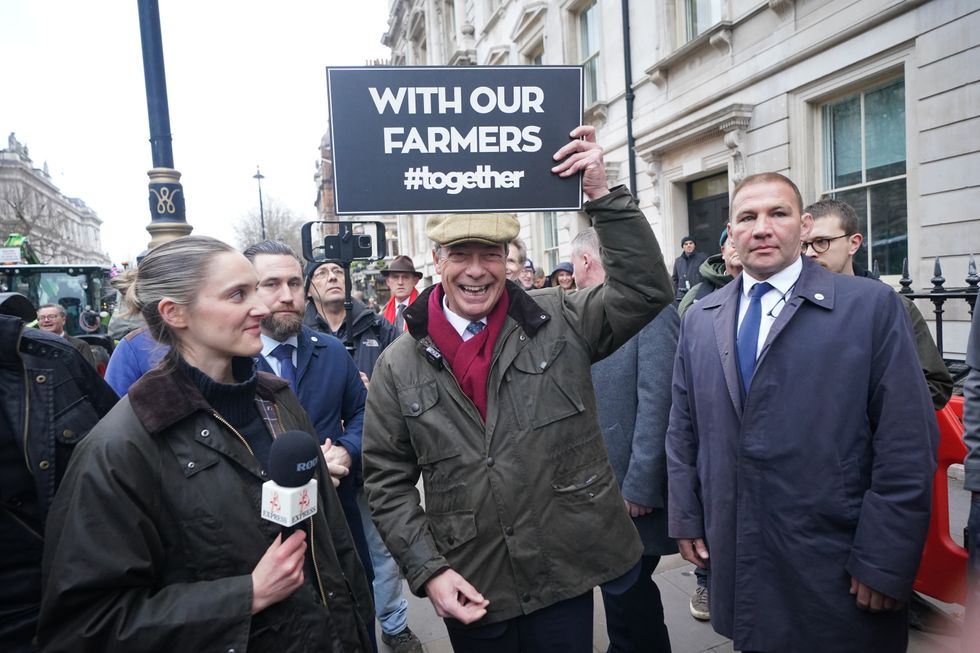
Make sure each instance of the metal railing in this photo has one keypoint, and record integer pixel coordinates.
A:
(939, 294)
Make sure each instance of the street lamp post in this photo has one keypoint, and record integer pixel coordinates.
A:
(258, 176)
(166, 198)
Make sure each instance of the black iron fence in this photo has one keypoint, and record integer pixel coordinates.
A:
(939, 294)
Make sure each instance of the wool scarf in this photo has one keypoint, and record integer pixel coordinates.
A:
(469, 361)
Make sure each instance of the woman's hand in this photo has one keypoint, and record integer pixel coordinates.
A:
(279, 572)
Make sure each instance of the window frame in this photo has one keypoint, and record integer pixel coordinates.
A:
(686, 28)
(590, 61)
(806, 130)
(825, 187)
(550, 255)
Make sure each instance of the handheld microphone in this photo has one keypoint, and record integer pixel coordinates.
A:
(291, 495)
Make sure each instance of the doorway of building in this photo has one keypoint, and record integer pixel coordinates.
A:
(707, 211)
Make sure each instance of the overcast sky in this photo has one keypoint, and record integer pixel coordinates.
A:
(246, 82)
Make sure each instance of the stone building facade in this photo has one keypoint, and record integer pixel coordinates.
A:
(366, 278)
(61, 229)
(876, 102)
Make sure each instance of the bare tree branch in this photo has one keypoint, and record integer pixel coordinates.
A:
(280, 224)
(26, 211)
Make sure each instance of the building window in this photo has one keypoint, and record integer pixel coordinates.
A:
(699, 15)
(550, 240)
(588, 45)
(449, 25)
(536, 56)
(864, 165)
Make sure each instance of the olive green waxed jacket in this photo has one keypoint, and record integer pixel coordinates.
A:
(155, 532)
(524, 506)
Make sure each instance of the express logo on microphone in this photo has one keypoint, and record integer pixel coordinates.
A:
(291, 495)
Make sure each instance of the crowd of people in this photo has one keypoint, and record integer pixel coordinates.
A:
(768, 413)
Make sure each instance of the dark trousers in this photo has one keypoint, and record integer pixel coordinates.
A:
(702, 576)
(565, 627)
(635, 618)
(348, 501)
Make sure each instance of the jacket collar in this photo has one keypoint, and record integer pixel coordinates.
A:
(815, 285)
(182, 398)
(521, 308)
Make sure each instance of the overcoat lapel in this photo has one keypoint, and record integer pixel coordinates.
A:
(814, 285)
(304, 353)
(724, 322)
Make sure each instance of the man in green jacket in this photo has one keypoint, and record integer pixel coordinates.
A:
(715, 272)
(490, 400)
(833, 242)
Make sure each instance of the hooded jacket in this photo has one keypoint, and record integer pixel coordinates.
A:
(713, 277)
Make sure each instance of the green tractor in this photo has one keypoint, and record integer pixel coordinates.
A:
(83, 291)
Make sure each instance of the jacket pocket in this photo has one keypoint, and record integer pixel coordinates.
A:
(205, 545)
(428, 435)
(538, 359)
(557, 403)
(415, 400)
(554, 401)
(74, 421)
(450, 530)
(588, 484)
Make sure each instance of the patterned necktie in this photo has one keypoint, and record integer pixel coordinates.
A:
(747, 342)
(284, 354)
(475, 327)
(400, 317)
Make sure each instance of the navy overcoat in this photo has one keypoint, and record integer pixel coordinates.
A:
(822, 472)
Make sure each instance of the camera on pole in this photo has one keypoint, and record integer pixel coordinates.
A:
(345, 246)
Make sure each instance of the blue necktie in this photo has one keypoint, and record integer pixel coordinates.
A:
(284, 354)
(747, 342)
(475, 327)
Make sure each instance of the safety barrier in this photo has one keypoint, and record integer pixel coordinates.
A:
(942, 570)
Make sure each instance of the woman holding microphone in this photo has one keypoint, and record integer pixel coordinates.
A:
(155, 540)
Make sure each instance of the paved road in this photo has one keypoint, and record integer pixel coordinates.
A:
(676, 580)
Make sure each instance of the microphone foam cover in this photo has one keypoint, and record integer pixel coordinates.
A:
(293, 458)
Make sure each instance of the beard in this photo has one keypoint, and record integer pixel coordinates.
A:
(282, 326)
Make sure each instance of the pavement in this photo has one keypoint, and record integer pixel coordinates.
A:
(675, 578)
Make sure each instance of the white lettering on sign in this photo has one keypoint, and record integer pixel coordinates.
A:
(433, 99)
(482, 139)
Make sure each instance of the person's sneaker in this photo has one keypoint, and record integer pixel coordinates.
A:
(403, 642)
(699, 604)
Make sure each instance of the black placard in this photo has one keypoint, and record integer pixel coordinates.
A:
(465, 139)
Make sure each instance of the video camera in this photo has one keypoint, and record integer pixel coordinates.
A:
(345, 246)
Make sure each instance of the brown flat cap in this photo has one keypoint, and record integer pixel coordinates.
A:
(487, 228)
(401, 264)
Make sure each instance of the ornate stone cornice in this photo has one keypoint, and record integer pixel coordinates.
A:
(675, 132)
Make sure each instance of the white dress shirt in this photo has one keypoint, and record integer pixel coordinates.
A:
(774, 301)
(268, 344)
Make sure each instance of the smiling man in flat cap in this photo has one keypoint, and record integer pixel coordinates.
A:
(490, 400)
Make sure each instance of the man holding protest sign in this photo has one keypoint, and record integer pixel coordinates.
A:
(523, 516)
